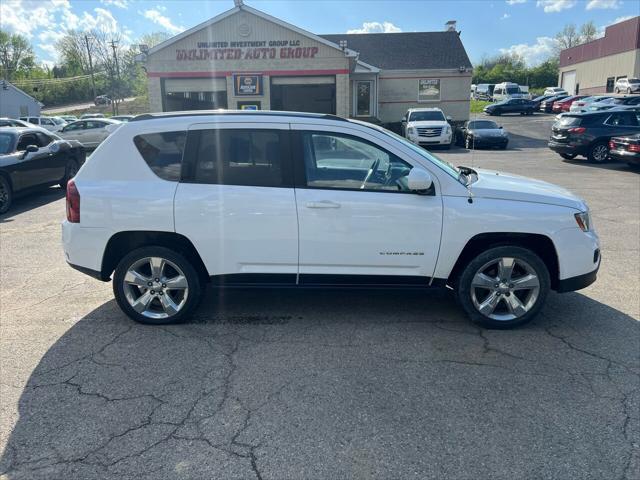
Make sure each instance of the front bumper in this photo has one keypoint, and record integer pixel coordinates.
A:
(577, 283)
(422, 141)
(490, 141)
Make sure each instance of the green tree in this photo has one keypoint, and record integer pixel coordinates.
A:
(16, 55)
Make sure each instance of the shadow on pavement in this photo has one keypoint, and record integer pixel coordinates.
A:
(333, 384)
(35, 199)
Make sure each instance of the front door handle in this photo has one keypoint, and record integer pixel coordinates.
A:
(322, 204)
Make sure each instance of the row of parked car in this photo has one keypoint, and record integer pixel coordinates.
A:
(599, 135)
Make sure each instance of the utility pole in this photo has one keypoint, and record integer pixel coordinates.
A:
(93, 81)
(114, 101)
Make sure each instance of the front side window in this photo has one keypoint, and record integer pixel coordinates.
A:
(162, 152)
(26, 140)
(336, 161)
(46, 121)
(240, 157)
(43, 139)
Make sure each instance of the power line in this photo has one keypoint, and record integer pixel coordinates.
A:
(51, 81)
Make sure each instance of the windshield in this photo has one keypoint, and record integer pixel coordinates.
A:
(426, 116)
(513, 90)
(446, 166)
(6, 143)
(482, 124)
(58, 120)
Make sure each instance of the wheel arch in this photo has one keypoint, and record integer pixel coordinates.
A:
(540, 244)
(122, 243)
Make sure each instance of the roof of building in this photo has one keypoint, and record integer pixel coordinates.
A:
(407, 50)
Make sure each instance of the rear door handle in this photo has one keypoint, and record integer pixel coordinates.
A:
(322, 204)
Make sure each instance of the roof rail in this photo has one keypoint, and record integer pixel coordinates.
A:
(207, 113)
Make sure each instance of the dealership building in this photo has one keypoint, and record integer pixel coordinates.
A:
(594, 67)
(246, 59)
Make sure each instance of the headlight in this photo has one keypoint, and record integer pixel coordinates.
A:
(447, 129)
(583, 221)
(411, 130)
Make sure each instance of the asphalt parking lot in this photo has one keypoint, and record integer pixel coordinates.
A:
(279, 384)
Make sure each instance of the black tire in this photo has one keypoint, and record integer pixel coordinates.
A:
(568, 156)
(194, 292)
(447, 146)
(70, 171)
(523, 255)
(617, 90)
(595, 152)
(6, 195)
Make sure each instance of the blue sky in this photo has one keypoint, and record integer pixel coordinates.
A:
(488, 26)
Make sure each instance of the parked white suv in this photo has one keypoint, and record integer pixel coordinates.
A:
(173, 201)
(555, 91)
(427, 127)
(627, 85)
(53, 124)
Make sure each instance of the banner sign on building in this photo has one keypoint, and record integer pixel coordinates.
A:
(428, 89)
(247, 84)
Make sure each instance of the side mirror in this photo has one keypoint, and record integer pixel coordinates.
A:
(29, 149)
(500, 127)
(419, 180)
(449, 119)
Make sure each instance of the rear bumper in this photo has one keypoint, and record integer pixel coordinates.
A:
(567, 148)
(92, 273)
(84, 247)
(625, 156)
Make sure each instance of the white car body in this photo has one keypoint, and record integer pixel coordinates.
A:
(555, 91)
(583, 104)
(627, 85)
(427, 132)
(303, 233)
(52, 124)
(91, 132)
(506, 90)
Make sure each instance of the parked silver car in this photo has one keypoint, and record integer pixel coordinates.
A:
(90, 133)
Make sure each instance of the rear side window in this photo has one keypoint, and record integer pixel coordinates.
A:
(162, 152)
(240, 157)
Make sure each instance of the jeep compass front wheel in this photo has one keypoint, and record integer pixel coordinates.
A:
(504, 287)
(156, 285)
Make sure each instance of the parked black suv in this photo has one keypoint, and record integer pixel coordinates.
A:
(588, 133)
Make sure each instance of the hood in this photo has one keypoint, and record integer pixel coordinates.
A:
(428, 123)
(507, 186)
(487, 132)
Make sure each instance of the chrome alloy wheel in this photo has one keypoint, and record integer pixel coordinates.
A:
(600, 153)
(505, 288)
(155, 287)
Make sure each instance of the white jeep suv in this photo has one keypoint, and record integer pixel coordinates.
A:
(427, 127)
(172, 201)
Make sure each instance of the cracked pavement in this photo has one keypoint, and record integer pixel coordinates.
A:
(279, 384)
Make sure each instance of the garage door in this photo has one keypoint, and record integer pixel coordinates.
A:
(315, 94)
(569, 81)
(194, 94)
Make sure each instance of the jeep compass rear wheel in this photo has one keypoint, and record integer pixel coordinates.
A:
(156, 285)
(504, 287)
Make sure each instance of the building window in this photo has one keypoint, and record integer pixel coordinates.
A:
(364, 99)
(429, 90)
(610, 83)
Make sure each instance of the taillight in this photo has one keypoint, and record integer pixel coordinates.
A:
(577, 130)
(73, 202)
(634, 148)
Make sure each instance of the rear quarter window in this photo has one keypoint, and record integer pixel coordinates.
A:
(163, 152)
(569, 121)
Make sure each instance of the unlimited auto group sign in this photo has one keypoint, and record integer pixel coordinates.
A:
(247, 50)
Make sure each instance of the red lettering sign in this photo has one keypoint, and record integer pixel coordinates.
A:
(208, 54)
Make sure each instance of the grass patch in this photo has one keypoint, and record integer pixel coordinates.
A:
(478, 105)
(134, 107)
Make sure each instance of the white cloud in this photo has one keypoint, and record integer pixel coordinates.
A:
(116, 3)
(535, 53)
(156, 17)
(27, 16)
(505, 16)
(621, 19)
(514, 2)
(554, 6)
(376, 27)
(603, 4)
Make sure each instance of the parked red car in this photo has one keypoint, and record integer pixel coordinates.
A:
(564, 104)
